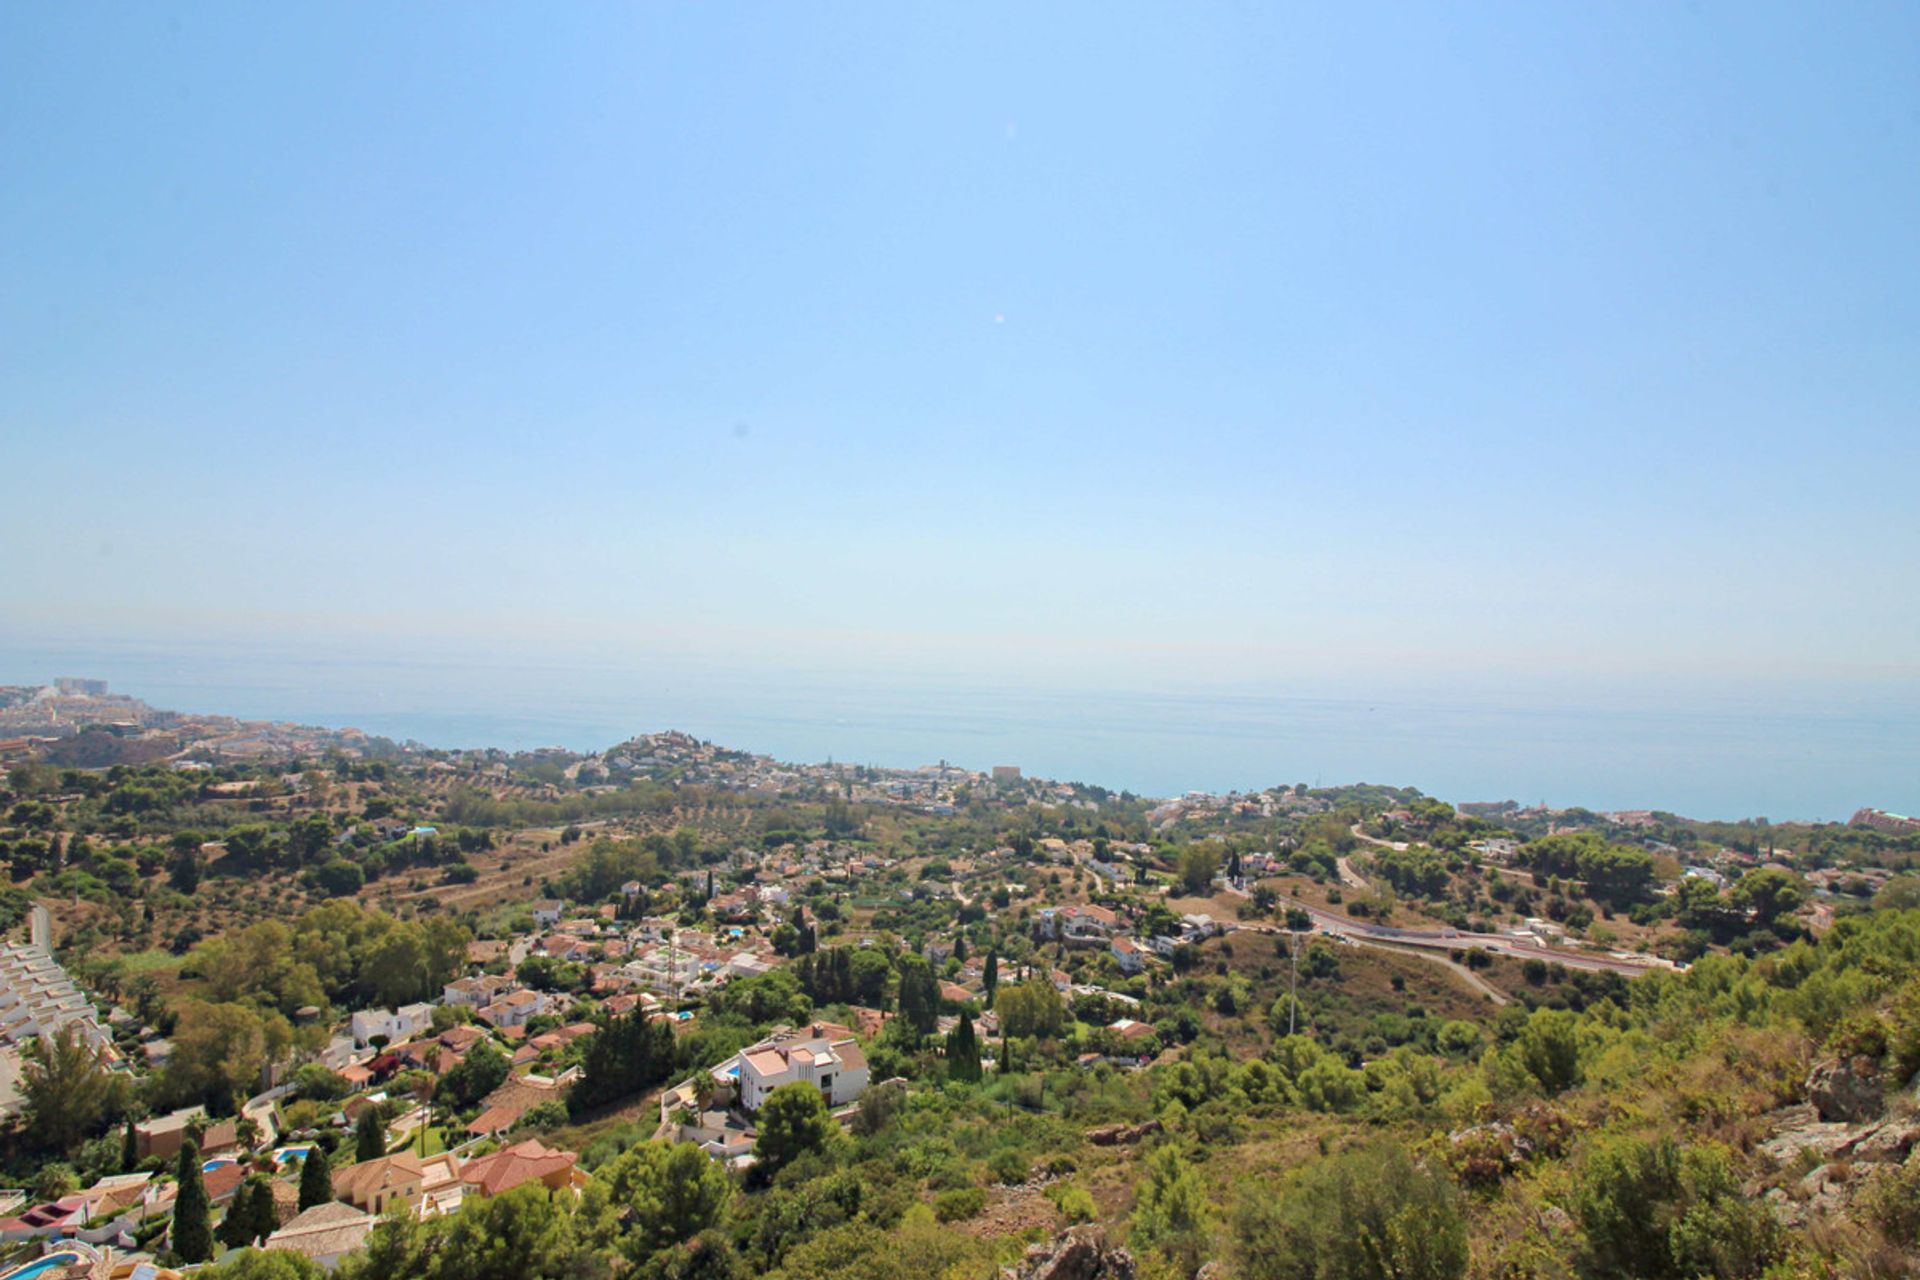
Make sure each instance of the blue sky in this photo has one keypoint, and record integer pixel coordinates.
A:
(1154, 345)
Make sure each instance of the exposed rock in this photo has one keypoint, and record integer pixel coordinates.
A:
(1846, 1089)
(1800, 1128)
(1211, 1271)
(1078, 1253)
(1884, 1143)
(1831, 1191)
(1121, 1134)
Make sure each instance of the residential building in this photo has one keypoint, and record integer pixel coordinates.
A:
(476, 992)
(821, 1054)
(163, 1136)
(1084, 924)
(521, 1163)
(37, 999)
(517, 1095)
(396, 1025)
(372, 1185)
(325, 1233)
(515, 1009)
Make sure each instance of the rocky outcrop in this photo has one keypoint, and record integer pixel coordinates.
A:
(1800, 1129)
(1078, 1253)
(1885, 1143)
(1846, 1090)
(1116, 1135)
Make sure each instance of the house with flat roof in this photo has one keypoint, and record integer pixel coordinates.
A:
(821, 1054)
(1082, 923)
(163, 1136)
(397, 1025)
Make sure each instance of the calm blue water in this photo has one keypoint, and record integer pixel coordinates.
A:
(1725, 756)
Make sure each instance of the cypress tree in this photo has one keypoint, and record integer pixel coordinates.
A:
(370, 1138)
(919, 995)
(261, 1216)
(992, 975)
(192, 1221)
(236, 1229)
(963, 1050)
(316, 1179)
(129, 1148)
(843, 974)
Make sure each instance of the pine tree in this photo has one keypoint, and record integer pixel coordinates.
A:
(192, 1221)
(316, 1179)
(370, 1138)
(963, 1051)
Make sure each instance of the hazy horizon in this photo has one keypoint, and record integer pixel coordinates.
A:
(1493, 357)
(1702, 754)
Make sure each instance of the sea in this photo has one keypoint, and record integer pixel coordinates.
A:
(1798, 754)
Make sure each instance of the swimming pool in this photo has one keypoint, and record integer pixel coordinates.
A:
(40, 1266)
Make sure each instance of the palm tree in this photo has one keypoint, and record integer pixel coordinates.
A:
(423, 1094)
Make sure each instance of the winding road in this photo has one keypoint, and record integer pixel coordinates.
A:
(1460, 940)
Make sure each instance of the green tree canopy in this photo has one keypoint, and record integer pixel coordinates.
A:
(793, 1121)
(672, 1191)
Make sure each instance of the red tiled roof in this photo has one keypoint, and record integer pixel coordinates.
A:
(224, 1180)
(512, 1166)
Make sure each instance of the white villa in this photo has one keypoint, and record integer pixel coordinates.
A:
(822, 1054)
(397, 1025)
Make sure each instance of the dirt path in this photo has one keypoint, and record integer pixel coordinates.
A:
(1363, 837)
(1460, 973)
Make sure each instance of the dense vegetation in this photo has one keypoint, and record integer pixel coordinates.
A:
(1355, 1114)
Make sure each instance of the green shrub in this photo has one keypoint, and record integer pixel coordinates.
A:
(959, 1204)
(1371, 1214)
(1009, 1167)
(1074, 1203)
(1893, 1203)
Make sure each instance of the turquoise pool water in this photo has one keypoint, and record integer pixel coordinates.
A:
(40, 1266)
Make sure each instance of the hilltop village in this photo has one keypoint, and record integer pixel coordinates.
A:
(277, 1000)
